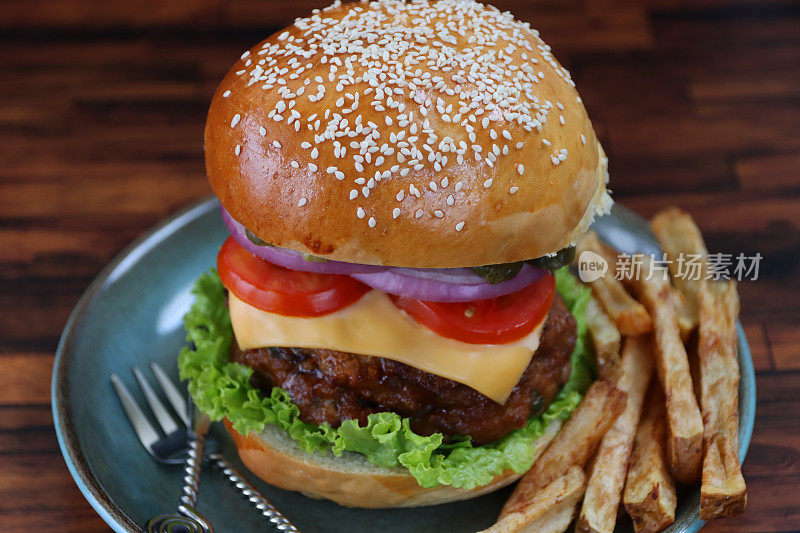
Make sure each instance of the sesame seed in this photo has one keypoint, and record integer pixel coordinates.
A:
(236, 118)
(360, 213)
(460, 226)
(488, 183)
(521, 169)
(238, 149)
(486, 87)
(583, 138)
(302, 202)
(395, 212)
(513, 189)
(372, 222)
(226, 94)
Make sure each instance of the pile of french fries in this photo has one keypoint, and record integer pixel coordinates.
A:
(665, 406)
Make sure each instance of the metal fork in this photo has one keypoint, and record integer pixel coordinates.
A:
(174, 446)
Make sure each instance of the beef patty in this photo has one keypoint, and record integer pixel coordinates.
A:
(330, 386)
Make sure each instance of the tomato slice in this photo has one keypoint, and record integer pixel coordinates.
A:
(280, 290)
(494, 321)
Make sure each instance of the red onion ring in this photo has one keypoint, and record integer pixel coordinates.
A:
(408, 282)
(429, 284)
(290, 258)
(459, 276)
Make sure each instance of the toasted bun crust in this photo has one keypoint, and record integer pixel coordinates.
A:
(437, 134)
(349, 480)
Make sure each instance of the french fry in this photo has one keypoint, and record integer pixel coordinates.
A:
(574, 444)
(685, 442)
(680, 237)
(694, 368)
(723, 491)
(649, 496)
(606, 339)
(686, 319)
(629, 315)
(550, 510)
(604, 490)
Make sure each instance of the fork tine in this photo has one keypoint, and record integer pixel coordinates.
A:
(171, 392)
(162, 415)
(144, 430)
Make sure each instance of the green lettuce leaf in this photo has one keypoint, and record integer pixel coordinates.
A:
(576, 296)
(222, 390)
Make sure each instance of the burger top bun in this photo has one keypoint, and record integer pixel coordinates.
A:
(428, 134)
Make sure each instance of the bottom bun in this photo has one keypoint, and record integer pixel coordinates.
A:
(348, 480)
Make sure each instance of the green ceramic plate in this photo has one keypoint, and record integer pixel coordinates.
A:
(132, 314)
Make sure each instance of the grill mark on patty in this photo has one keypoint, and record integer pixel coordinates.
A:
(331, 386)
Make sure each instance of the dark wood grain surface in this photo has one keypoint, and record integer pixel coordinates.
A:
(102, 105)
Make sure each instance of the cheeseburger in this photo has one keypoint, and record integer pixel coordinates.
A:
(390, 322)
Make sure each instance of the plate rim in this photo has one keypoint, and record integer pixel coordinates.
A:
(90, 486)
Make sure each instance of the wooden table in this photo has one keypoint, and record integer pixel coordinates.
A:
(102, 106)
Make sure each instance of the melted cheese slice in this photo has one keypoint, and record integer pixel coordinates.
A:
(373, 326)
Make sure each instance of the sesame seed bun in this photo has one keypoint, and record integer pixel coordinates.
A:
(465, 142)
(351, 480)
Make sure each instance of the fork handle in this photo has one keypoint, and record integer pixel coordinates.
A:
(191, 478)
(268, 511)
(191, 469)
